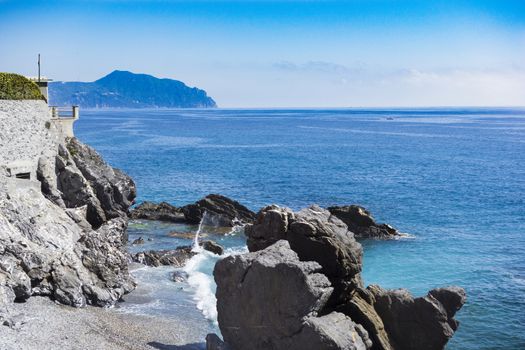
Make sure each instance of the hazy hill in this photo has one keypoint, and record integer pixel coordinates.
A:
(122, 89)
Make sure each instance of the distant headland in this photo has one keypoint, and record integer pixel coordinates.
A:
(122, 89)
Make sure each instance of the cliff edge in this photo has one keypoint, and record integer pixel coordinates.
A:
(63, 215)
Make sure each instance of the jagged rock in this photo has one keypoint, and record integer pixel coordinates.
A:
(361, 223)
(104, 254)
(79, 215)
(46, 253)
(270, 226)
(162, 211)
(270, 300)
(331, 332)
(76, 191)
(175, 257)
(315, 235)
(452, 298)
(212, 247)
(46, 174)
(360, 308)
(138, 241)
(48, 246)
(221, 212)
(423, 323)
(213, 342)
(83, 178)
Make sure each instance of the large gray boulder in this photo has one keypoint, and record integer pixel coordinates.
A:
(315, 235)
(361, 222)
(220, 212)
(270, 225)
(393, 320)
(424, 323)
(271, 300)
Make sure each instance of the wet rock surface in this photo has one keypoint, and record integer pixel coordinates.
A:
(174, 257)
(213, 247)
(158, 211)
(221, 212)
(361, 223)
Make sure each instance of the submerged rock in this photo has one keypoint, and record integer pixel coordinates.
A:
(271, 300)
(179, 276)
(174, 257)
(138, 241)
(158, 211)
(212, 247)
(361, 223)
(221, 212)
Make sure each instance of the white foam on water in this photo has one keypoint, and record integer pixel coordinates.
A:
(203, 285)
(201, 282)
(200, 273)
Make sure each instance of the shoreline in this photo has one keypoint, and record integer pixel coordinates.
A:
(53, 326)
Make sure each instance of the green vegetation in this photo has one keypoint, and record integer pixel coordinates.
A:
(17, 87)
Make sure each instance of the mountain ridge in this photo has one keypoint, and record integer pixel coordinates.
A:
(124, 89)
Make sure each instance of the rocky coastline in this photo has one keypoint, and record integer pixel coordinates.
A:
(63, 237)
(63, 233)
(312, 256)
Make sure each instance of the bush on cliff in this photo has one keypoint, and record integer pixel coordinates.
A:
(17, 87)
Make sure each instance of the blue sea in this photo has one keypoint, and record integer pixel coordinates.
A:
(453, 179)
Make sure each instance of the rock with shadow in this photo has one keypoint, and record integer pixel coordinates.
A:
(158, 211)
(361, 223)
(221, 212)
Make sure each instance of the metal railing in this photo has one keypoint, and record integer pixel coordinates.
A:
(64, 112)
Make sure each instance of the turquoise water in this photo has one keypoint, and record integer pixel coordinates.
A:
(454, 179)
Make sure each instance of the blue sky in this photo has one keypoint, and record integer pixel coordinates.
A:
(257, 53)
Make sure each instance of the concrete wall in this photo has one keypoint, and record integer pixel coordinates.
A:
(26, 133)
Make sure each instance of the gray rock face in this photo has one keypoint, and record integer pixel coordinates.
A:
(64, 235)
(213, 342)
(315, 235)
(270, 226)
(212, 247)
(392, 319)
(44, 252)
(221, 212)
(270, 300)
(419, 323)
(361, 223)
(82, 178)
(114, 190)
(162, 211)
(175, 257)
